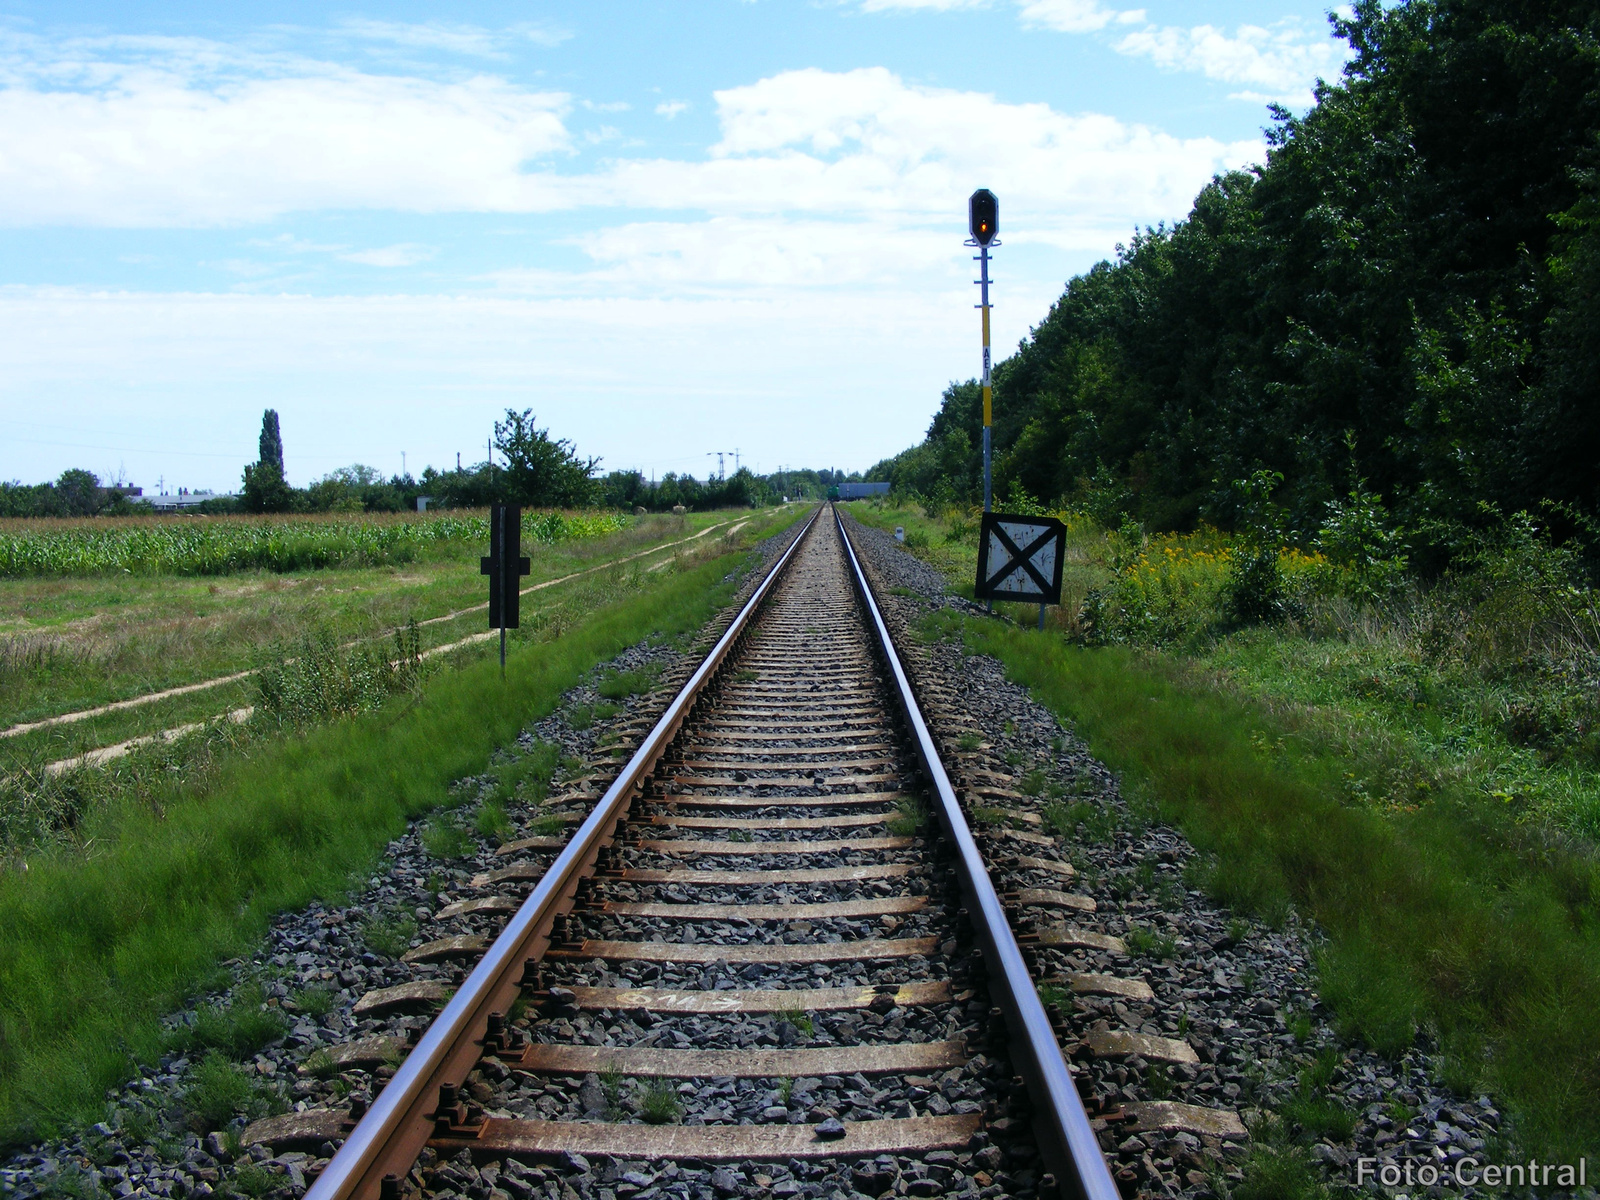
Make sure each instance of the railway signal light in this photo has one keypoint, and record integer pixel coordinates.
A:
(983, 216)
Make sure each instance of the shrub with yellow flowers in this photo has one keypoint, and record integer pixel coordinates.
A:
(1167, 588)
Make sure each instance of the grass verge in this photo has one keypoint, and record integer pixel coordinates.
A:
(1450, 918)
(94, 947)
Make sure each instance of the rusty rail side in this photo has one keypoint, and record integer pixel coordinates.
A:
(1066, 1140)
(388, 1138)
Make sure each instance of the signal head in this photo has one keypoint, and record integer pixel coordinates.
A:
(983, 216)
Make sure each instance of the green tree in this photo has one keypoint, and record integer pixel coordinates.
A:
(539, 469)
(1415, 263)
(271, 441)
(79, 493)
(265, 490)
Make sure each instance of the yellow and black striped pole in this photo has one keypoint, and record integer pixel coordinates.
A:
(983, 219)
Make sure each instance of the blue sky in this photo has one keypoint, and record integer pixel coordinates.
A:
(667, 228)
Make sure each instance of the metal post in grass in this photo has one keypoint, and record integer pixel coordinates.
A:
(505, 568)
(983, 221)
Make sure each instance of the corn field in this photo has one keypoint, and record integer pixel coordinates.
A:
(213, 546)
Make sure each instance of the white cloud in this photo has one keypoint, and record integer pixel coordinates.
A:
(768, 254)
(147, 146)
(288, 243)
(455, 39)
(1074, 16)
(925, 5)
(813, 141)
(407, 254)
(608, 106)
(196, 133)
(1280, 63)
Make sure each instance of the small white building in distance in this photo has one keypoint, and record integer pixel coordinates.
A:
(182, 499)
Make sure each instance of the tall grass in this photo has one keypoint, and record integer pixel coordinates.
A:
(317, 678)
(1447, 918)
(220, 546)
(93, 947)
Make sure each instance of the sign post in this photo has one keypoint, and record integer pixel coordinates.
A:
(1019, 558)
(983, 221)
(505, 568)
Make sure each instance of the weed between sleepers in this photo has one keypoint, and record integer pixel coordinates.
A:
(491, 822)
(444, 839)
(313, 1001)
(243, 1027)
(527, 777)
(658, 1102)
(547, 826)
(218, 1090)
(619, 685)
(584, 716)
(390, 937)
(911, 813)
(1147, 942)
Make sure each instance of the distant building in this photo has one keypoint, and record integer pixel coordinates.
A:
(183, 498)
(860, 491)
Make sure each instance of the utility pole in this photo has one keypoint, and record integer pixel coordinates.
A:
(983, 220)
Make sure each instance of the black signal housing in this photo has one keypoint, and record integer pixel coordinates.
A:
(983, 216)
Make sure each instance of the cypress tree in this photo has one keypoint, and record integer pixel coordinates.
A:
(271, 440)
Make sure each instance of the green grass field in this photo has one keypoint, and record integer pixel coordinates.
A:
(179, 870)
(71, 644)
(1332, 767)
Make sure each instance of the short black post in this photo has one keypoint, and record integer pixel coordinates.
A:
(505, 568)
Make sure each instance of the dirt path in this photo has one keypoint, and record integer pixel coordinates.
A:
(167, 693)
(103, 755)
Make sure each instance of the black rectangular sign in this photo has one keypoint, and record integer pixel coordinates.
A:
(505, 566)
(1019, 558)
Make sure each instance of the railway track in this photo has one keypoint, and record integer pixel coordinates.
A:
(772, 940)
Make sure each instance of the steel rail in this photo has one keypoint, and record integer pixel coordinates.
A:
(393, 1131)
(1066, 1141)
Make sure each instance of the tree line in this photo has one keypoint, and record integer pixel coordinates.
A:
(533, 469)
(1403, 301)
